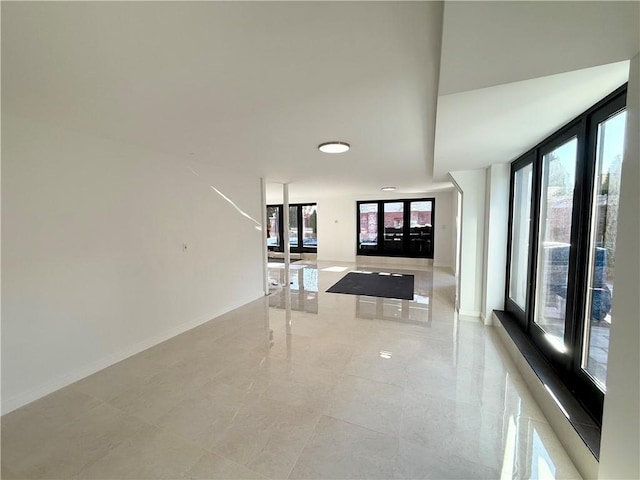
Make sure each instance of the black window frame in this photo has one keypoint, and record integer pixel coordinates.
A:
(405, 251)
(511, 306)
(567, 365)
(300, 247)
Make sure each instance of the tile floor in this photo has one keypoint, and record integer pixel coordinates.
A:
(335, 387)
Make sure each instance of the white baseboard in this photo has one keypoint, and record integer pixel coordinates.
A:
(469, 313)
(395, 261)
(333, 260)
(447, 268)
(16, 401)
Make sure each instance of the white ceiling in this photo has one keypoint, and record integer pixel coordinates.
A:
(514, 72)
(498, 124)
(256, 86)
(494, 43)
(251, 86)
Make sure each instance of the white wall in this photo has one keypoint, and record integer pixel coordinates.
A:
(337, 227)
(620, 445)
(456, 222)
(93, 266)
(444, 247)
(472, 183)
(495, 239)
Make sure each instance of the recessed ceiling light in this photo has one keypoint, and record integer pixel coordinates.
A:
(334, 147)
(388, 189)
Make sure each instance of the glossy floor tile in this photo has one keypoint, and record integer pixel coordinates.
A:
(301, 384)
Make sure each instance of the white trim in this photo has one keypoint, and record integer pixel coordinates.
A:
(469, 313)
(448, 268)
(23, 398)
(264, 220)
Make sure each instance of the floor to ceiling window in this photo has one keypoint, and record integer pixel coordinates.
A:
(562, 238)
(401, 228)
(303, 228)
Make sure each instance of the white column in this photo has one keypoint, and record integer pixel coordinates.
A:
(285, 234)
(472, 184)
(264, 220)
(287, 264)
(495, 239)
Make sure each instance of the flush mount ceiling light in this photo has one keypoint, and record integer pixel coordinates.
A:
(334, 147)
(388, 189)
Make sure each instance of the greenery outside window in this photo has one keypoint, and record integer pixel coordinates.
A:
(303, 228)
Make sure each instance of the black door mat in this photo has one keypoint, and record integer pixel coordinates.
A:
(376, 284)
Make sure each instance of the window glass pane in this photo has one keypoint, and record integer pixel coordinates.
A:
(602, 246)
(368, 235)
(393, 225)
(520, 228)
(554, 240)
(273, 225)
(421, 229)
(293, 226)
(309, 226)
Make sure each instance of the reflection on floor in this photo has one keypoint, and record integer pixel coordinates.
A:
(342, 387)
(303, 279)
(417, 312)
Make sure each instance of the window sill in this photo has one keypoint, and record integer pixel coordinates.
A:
(577, 431)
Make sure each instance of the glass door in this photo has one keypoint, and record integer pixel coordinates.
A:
(293, 228)
(273, 228)
(303, 228)
(393, 226)
(421, 228)
(309, 226)
(368, 226)
(398, 228)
